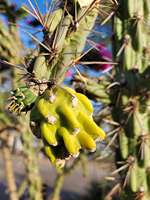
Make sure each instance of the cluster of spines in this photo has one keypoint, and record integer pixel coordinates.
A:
(21, 100)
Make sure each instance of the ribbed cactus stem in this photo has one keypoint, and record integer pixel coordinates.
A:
(126, 90)
(61, 174)
(33, 176)
(130, 40)
(64, 44)
(10, 177)
(58, 186)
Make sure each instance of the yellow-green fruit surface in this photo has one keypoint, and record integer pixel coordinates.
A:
(65, 122)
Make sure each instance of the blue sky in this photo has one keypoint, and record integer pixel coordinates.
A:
(42, 6)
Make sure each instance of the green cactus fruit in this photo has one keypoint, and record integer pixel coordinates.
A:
(65, 121)
(21, 100)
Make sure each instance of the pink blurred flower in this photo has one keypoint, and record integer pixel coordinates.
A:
(13, 3)
(104, 56)
(28, 21)
(68, 75)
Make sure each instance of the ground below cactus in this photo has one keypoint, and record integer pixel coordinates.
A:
(74, 186)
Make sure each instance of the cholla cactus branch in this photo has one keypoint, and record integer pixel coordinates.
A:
(12, 188)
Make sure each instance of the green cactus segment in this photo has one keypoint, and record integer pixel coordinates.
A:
(127, 92)
(131, 27)
(95, 89)
(22, 99)
(75, 41)
(63, 117)
(65, 43)
(8, 47)
(134, 138)
(84, 3)
(54, 19)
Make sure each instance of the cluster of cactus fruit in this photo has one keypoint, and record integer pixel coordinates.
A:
(59, 116)
(64, 122)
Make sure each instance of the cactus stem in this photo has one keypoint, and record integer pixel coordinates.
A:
(130, 161)
(113, 84)
(114, 7)
(138, 120)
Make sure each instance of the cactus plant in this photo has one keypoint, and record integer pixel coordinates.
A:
(126, 91)
(59, 116)
(133, 104)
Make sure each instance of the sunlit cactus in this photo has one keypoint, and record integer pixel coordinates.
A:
(125, 89)
(131, 28)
